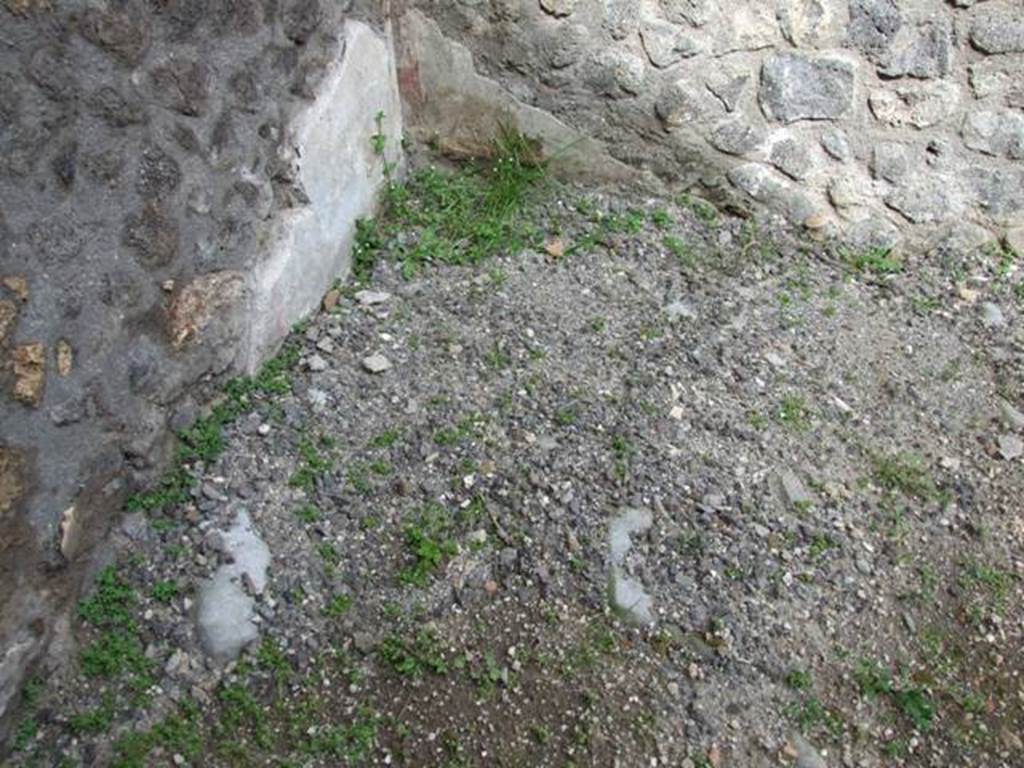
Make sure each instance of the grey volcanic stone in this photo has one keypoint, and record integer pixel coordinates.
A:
(924, 199)
(873, 25)
(735, 137)
(792, 159)
(796, 87)
(999, 31)
(628, 594)
(665, 44)
(925, 51)
(225, 611)
(889, 161)
(835, 142)
(920, 105)
(995, 132)
(998, 191)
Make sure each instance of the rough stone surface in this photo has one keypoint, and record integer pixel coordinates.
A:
(225, 610)
(795, 87)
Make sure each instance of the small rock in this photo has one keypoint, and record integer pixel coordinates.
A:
(680, 310)
(1010, 447)
(263, 430)
(806, 755)
(992, 316)
(369, 298)
(316, 364)
(364, 642)
(1010, 415)
(331, 299)
(478, 537)
(793, 490)
(376, 363)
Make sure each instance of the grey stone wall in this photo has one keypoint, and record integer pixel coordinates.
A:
(178, 184)
(879, 120)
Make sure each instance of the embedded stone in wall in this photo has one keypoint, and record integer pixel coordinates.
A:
(995, 132)
(65, 358)
(729, 88)
(681, 103)
(999, 191)
(567, 46)
(735, 137)
(558, 7)
(999, 30)
(182, 86)
(29, 373)
(924, 199)
(665, 44)
(693, 12)
(873, 25)
(810, 23)
(835, 142)
(924, 51)
(8, 315)
(746, 26)
(791, 158)
(999, 76)
(12, 468)
(796, 87)
(152, 235)
(206, 299)
(889, 161)
(616, 71)
(919, 105)
(116, 32)
(765, 186)
(623, 18)
(158, 173)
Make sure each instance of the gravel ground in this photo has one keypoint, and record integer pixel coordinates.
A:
(666, 488)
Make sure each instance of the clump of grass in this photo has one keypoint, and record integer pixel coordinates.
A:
(459, 218)
(314, 463)
(794, 413)
(904, 473)
(429, 540)
(875, 261)
(165, 591)
(117, 651)
(204, 440)
(877, 681)
(414, 657)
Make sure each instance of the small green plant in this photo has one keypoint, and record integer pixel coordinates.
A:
(378, 140)
(308, 513)
(661, 218)
(875, 261)
(313, 463)
(794, 413)
(877, 681)
(679, 249)
(338, 605)
(904, 473)
(165, 591)
(415, 657)
(429, 540)
(386, 439)
(798, 679)
(329, 554)
(702, 209)
(497, 358)
(566, 417)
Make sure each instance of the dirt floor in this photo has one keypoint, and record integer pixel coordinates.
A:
(818, 452)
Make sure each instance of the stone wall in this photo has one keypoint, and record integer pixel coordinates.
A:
(875, 119)
(179, 181)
